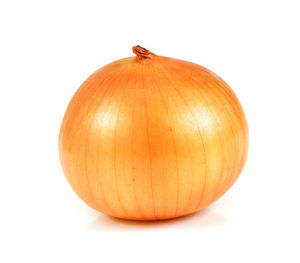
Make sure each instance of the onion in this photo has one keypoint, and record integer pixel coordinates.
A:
(150, 137)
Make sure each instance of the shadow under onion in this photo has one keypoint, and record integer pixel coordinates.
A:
(202, 219)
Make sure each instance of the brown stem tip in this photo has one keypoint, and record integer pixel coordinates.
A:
(141, 52)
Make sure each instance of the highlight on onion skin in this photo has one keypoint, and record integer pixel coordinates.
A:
(150, 137)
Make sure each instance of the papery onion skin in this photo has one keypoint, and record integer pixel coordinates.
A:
(150, 137)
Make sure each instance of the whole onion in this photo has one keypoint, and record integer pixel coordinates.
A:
(150, 137)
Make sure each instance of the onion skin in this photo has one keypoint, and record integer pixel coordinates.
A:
(150, 137)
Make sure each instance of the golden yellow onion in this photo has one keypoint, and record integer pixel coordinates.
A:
(150, 137)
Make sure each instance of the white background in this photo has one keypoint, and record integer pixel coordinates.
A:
(48, 48)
